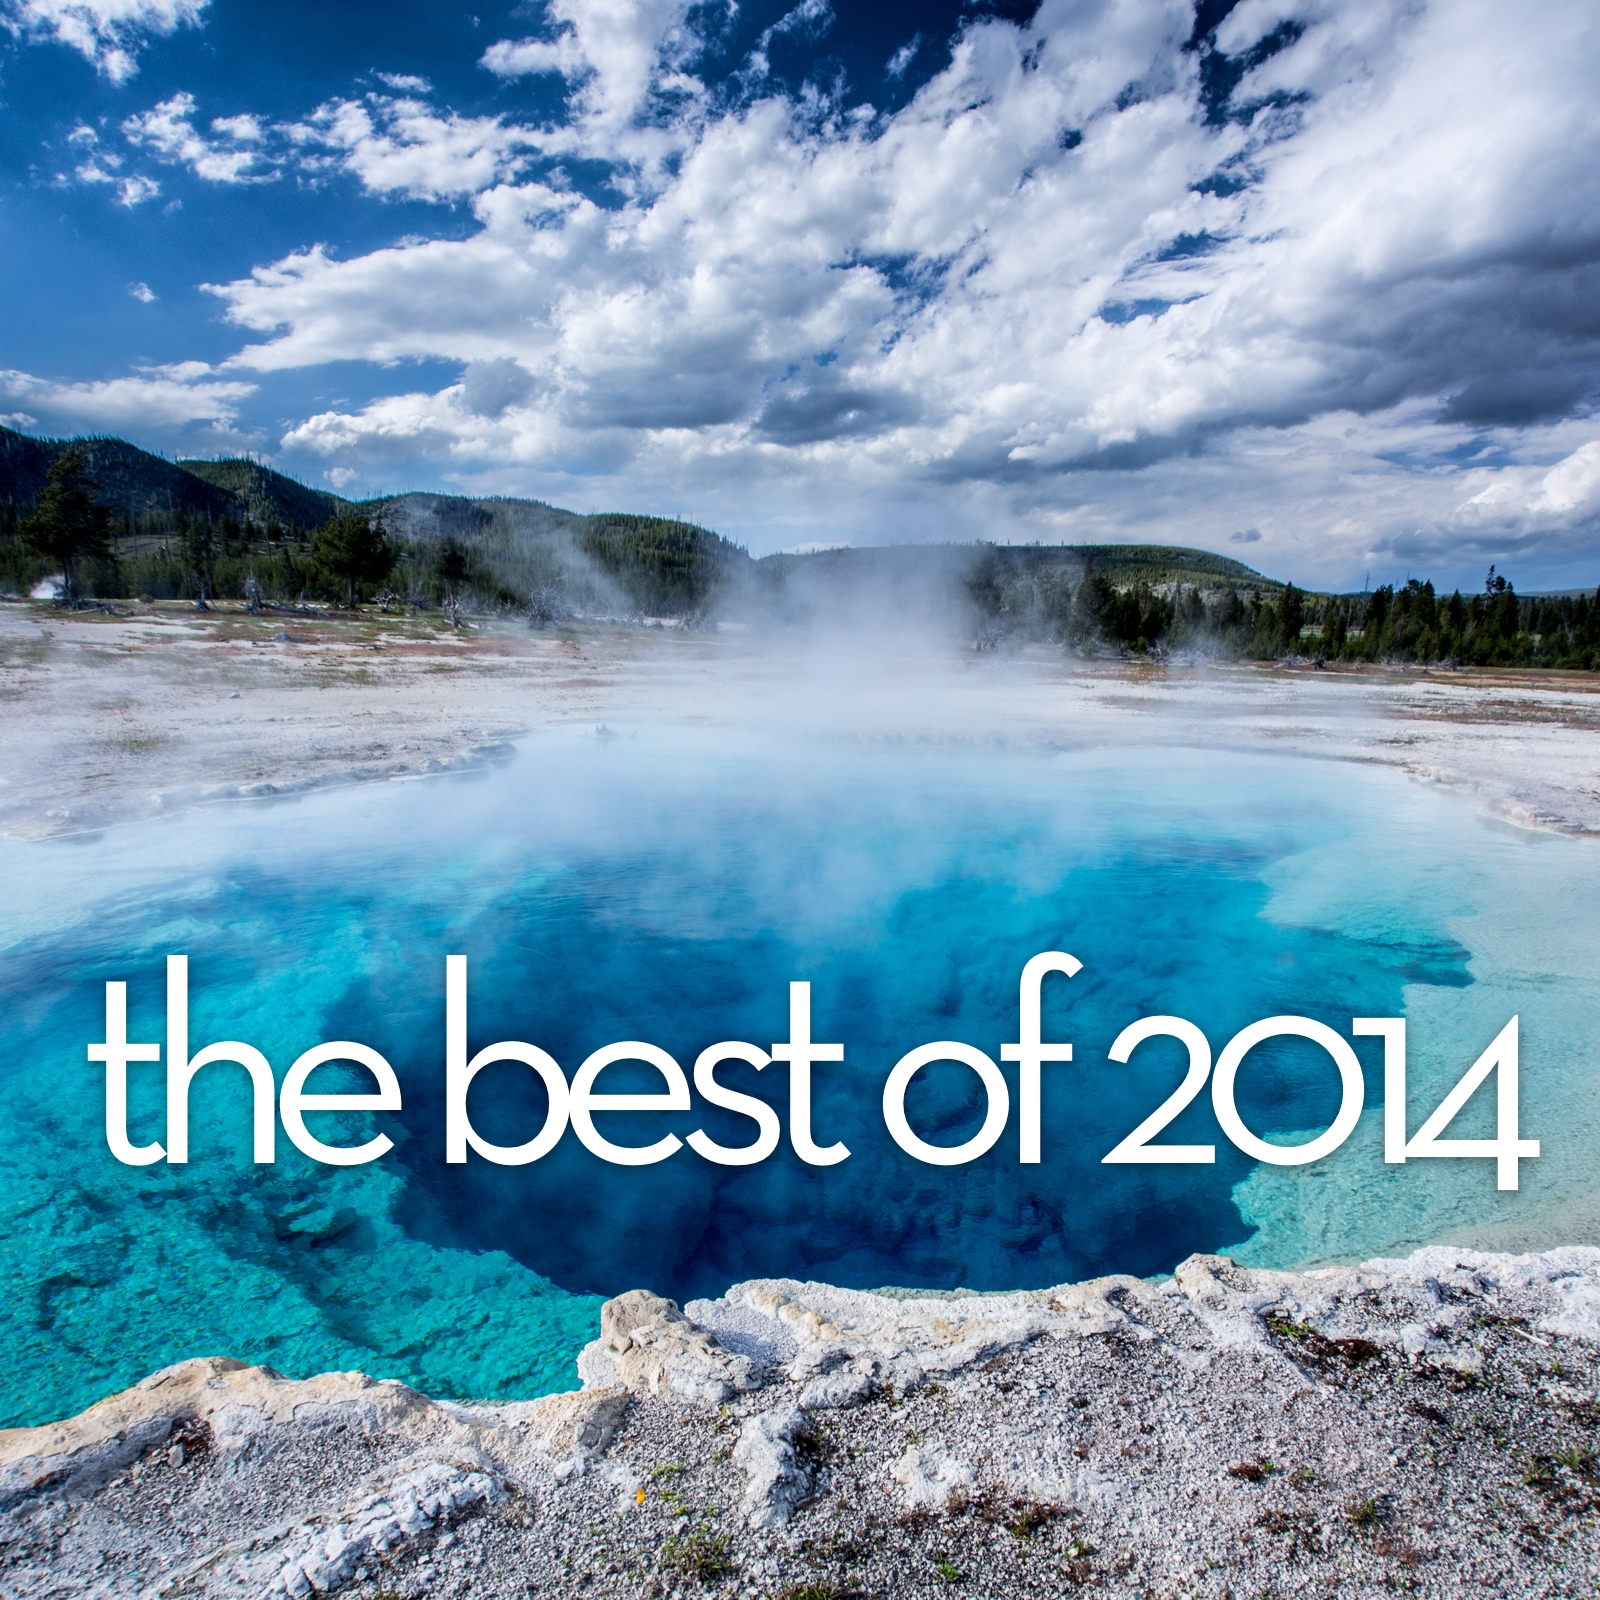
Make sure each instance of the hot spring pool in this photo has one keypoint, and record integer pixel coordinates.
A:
(668, 887)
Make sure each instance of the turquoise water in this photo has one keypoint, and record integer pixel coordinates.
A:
(668, 888)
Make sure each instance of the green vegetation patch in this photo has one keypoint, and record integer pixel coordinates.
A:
(704, 1557)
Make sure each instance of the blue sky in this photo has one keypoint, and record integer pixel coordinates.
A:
(1315, 282)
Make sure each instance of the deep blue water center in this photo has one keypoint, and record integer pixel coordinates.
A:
(911, 909)
(667, 889)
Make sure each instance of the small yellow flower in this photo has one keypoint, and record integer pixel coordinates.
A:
(640, 1497)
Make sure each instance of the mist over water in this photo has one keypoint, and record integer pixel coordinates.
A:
(668, 887)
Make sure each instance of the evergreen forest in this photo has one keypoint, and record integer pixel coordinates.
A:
(107, 521)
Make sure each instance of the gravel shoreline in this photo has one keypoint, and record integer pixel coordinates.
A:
(1425, 1427)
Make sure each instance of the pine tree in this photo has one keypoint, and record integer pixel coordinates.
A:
(353, 547)
(68, 524)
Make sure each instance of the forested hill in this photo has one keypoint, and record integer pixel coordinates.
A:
(225, 519)
(132, 481)
(526, 551)
(260, 495)
(153, 495)
(148, 491)
(184, 526)
(193, 529)
(996, 567)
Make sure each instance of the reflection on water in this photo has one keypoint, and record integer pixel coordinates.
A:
(669, 889)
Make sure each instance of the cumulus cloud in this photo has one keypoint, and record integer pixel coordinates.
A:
(105, 32)
(161, 399)
(101, 166)
(491, 388)
(1096, 279)
(1573, 486)
(523, 58)
(242, 129)
(396, 428)
(391, 145)
(169, 133)
(135, 190)
(617, 56)
(403, 146)
(1566, 494)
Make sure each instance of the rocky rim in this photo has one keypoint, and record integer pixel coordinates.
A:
(1424, 1426)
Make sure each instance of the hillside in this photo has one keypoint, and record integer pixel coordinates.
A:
(1120, 564)
(1035, 591)
(152, 494)
(132, 480)
(194, 528)
(525, 551)
(1158, 564)
(190, 523)
(529, 553)
(266, 496)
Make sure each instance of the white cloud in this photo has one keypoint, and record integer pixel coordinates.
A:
(169, 132)
(101, 166)
(901, 60)
(396, 428)
(105, 32)
(618, 55)
(142, 292)
(390, 145)
(243, 129)
(1573, 485)
(1057, 295)
(810, 19)
(526, 58)
(404, 147)
(1020, 277)
(135, 190)
(1565, 494)
(159, 399)
(405, 83)
(702, 305)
